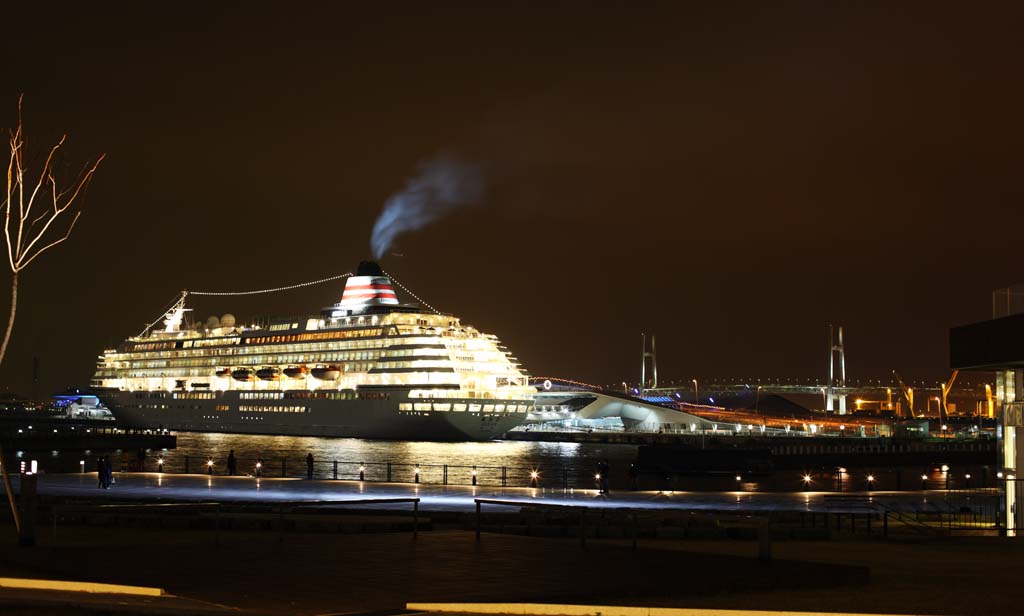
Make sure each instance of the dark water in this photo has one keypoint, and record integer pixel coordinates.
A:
(496, 463)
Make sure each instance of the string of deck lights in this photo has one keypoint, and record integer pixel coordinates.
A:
(414, 296)
(275, 289)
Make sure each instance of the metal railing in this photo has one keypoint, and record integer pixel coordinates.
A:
(390, 472)
(762, 524)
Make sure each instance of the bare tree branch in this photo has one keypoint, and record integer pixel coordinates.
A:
(31, 241)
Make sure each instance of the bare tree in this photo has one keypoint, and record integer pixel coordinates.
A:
(31, 207)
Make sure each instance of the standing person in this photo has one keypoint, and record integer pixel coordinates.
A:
(231, 463)
(101, 473)
(309, 465)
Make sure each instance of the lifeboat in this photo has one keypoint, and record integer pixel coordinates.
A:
(242, 374)
(268, 374)
(326, 373)
(224, 373)
(295, 372)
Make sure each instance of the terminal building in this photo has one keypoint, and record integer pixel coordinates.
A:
(997, 346)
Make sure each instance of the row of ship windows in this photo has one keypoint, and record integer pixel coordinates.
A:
(460, 407)
(186, 371)
(308, 336)
(267, 395)
(217, 361)
(361, 343)
(375, 343)
(170, 344)
(270, 409)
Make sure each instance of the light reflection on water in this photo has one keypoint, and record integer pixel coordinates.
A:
(551, 459)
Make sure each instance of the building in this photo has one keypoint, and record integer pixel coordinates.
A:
(997, 346)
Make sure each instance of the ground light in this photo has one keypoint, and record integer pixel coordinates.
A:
(160, 465)
(924, 482)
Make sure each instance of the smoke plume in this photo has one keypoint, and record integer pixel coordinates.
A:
(441, 185)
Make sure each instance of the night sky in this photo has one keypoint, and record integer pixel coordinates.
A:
(730, 177)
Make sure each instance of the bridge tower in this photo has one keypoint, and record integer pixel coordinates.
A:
(835, 346)
(643, 363)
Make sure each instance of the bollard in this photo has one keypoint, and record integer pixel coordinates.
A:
(362, 471)
(504, 476)
(389, 472)
(209, 466)
(186, 465)
(474, 483)
(335, 469)
(416, 474)
(444, 477)
(284, 467)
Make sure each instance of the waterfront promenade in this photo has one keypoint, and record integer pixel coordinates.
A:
(433, 497)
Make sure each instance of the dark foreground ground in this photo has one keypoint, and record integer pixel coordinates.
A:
(320, 573)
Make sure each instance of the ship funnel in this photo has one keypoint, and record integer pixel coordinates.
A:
(369, 287)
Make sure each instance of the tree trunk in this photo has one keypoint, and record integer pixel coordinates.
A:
(3, 352)
(10, 320)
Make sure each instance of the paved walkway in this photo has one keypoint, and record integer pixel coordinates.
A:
(144, 486)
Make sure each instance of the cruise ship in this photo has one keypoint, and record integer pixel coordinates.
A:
(366, 367)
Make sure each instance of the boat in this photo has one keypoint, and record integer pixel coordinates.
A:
(295, 372)
(269, 373)
(326, 373)
(379, 368)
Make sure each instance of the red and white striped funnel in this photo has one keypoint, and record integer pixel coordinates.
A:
(369, 287)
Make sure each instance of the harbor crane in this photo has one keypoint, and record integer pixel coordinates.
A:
(908, 393)
(946, 388)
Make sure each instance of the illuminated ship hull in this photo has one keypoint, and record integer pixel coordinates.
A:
(297, 414)
(366, 367)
